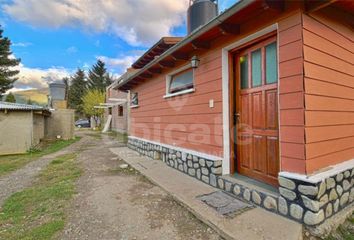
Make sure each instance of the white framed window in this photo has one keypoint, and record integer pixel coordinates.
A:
(180, 82)
(134, 101)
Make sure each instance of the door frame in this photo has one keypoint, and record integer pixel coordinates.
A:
(228, 93)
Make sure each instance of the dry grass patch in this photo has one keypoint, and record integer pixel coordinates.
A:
(345, 231)
(38, 212)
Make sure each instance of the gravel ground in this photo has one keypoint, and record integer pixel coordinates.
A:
(23, 177)
(115, 203)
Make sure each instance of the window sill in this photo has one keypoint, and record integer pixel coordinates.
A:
(179, 93)
(134, 106)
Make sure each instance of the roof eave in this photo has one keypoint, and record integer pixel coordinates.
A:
(198, 32)
(163, 40)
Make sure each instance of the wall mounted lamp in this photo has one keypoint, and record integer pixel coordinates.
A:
(195, 62)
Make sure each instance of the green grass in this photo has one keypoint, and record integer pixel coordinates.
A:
(11, 163)
(121, 137)
(345, 231)
(37, 213)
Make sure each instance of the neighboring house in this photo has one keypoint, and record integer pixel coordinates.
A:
(116, 106)
(21, 127)
(117, 101)
(262, 95)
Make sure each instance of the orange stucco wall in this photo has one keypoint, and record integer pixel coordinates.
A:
(188, 121)
(306, 127)
(185, 121)
(291, 95)
(329, 89)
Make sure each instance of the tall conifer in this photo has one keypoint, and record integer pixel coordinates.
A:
(7, 62)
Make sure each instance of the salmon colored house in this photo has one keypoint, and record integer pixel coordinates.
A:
(258, 102)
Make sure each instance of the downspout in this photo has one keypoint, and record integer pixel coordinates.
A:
(128, 113)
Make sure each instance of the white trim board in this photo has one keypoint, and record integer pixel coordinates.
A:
(191, 90)
(183, 150)
(225, 90)
(169, 78)
(319, 177)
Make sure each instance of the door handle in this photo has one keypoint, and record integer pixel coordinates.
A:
(237, 117)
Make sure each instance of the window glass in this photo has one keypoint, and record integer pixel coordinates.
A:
(181, 81)
(256, 68)
(134, 99)
(244, 71)
(120, 111)
(271, 63)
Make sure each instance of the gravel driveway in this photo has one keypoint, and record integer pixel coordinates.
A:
(115, 203)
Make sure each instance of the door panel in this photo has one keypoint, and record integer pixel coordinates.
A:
(258, 163)
(272, 109)
(257, 121)
(245, 118)
(272, 156)
(246, 151)
(257, 105)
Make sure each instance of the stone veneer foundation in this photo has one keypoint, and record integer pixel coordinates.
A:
(307, 202)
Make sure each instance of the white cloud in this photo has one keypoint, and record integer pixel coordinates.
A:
(137, 22)
(29, 78)
(22, 44)
(37, 77)
(119, 64)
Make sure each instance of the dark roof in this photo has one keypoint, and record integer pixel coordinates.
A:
(160, 47)
(122, 78)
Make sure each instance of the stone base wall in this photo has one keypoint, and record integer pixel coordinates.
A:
(199, 167)
(305, 202)
(313, 203)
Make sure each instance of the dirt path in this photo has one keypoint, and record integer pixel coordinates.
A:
(121, 204)
(23, 177)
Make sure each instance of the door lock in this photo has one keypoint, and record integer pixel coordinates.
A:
(237, 117)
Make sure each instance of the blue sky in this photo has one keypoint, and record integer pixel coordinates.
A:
(55, 37)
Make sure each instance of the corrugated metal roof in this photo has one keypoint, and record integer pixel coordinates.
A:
(18, 106)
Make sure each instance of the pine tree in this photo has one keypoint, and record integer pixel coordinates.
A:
(29, 102)
(7, 75)
(77, 90)
(98, 77)
(10, 98)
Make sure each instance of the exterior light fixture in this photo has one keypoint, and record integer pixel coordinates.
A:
(195, 62)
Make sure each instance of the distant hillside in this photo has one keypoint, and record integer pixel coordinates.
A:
(37, 96)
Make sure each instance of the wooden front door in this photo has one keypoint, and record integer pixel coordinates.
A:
(257, 111)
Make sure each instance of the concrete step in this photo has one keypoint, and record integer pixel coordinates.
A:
(251, 224)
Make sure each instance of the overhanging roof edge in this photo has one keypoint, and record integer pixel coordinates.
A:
(211, 24)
